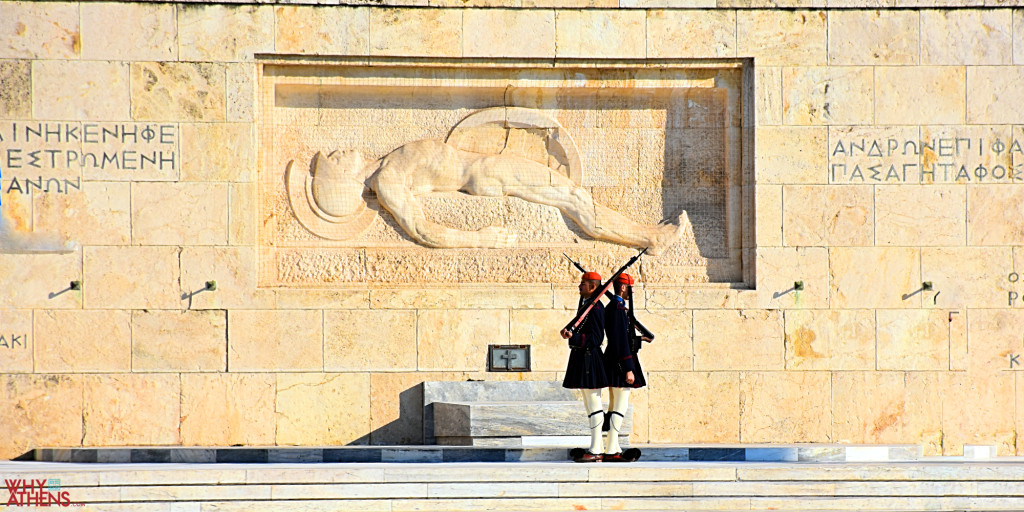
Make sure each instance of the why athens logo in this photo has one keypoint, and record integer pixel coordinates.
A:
(37, 493)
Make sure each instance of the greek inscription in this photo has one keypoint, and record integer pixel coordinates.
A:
(14, 341)
(138, 147)
(879, 161)
(46, 186)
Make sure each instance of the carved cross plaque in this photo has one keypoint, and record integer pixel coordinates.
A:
(508, 358)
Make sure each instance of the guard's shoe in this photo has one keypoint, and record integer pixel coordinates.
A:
(630, 455)
(586, 456)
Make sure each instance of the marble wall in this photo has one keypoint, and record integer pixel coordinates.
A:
(887, 152)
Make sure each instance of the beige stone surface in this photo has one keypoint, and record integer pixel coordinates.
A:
(153, 34)
(33, 401)
(874, 277)
(994, 95)
(31, 30)
(177, 341)
(1018, 36)
(982, 36)
(234, 271)
(98, 215)
(785, 407)
(321, 299)
(967, 276)
(953, 154)
(738, 340)
(827, 95)
(241, 94)
(508, 33)
(768, 95)
(506, 297)
(778, 270)
(870, 37)
(587, 33)
(275, 340)
(830, 340)
(921, 95)
(178, 91)
(791, 155)
(369, 340)
(829, 215)
(228, 409)
(218, 152)
(874, 154)
(994, 338)
(224, 32)
(992, 215)
(416, 32)
(112, 277)
(40, 280)
(114, 404)
(888, 407)
(418, 298)
(694, 407)
(782, 37)
(315, 30)
(694, 34)
(977, 409)
(323, 409)
(242, 214)
(16, 341)
(689, 298)
(396, 407)
(83, 341)
(913, 339)
(68, 90)
(920, 215)
(16, 95)
(1019, 423)
(180, 213)
(768, 219)
(456, 340)
(539, 329)
(570, 4)
(672, 348)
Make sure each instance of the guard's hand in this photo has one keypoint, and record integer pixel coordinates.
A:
(565, 334)
(645, 338)
(629, 378)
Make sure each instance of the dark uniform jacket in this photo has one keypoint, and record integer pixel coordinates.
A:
(586, 369)
(618, 357)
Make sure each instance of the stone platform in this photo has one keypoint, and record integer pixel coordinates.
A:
(512, 423)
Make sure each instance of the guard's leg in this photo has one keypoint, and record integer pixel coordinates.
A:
(595, 413)
(617, 406)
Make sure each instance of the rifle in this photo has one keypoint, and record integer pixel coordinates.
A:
(644, 331)
(577, 321)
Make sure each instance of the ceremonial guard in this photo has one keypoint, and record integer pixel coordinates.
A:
(586, 370)
(622, 365)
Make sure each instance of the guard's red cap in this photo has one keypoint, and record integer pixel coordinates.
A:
(625, 279)
(591, 276)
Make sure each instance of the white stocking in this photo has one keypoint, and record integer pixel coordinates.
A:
(595, 410)
(619, 402)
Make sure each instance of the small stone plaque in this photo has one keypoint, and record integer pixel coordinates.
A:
(508, 358)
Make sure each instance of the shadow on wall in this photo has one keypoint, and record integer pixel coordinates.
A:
(407, 429)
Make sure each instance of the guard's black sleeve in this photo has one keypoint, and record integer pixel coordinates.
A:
(617, 329)
(592, 331)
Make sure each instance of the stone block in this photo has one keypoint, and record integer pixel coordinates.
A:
(176, 341)
(98, 215)
(913, 339)
(16, 341)
(695, 298)
(242, 214)
(768, 228)
(228, 409)
(508, 33)
(323, 409)
(778, 270)
(83, 341)
(830, 340)
(694, 407)
(966, 419)
(994, 339)
(508, 419)
(1019, 415)
(31, 30)
(224, 32)
(768, 95)
(1018, 36)
(323, 31)
(995, 96)
(967, 276)
(983, 37)
(79, 90)
(180, 213)
(791, 155)
(539, 329)
(953, 154)
(321, 299)
(504, 297)
(218, 152)
(874, 277)
(416, 32)
(458, 340)
(16, 96)
(782, 37)
(423, 297)
(152, 36)
(874, 154)
(887, 407)
(40, 280)
(178, 91)
(873, 37)
(920, 215)
(672, 348)
(35, 401)
(781, 407)
(921, 95)
(396, 407)
(277, 340)
(992, 215)
(586, 33)
(693, 34)
(131, 409)
(234, 271)
(829, 215)
(374, 340)
(828, 95)
(738, 340)
(241, 93)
